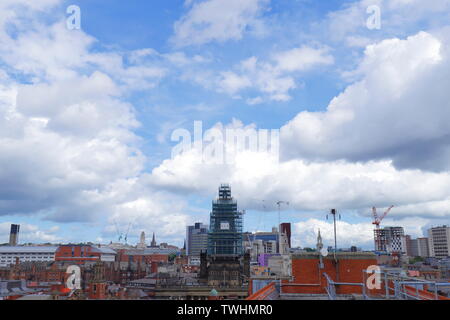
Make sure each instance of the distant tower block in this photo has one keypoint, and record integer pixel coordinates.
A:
(286, 229)
(14, 235)
(142, 243)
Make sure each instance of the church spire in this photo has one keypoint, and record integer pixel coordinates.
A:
(153, 244)
(319, 245)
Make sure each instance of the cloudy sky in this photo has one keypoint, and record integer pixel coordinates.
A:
(87, 115)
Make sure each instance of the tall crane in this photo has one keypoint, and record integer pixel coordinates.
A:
(380, 238)
(376, 219)
(119, 234)
(126, 234)
(279, 203)
(251, 239)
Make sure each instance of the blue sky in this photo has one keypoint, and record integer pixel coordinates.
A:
(88, 115)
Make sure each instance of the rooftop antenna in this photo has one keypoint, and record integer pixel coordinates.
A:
(333, 212)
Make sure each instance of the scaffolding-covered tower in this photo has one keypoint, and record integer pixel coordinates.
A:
(225, 236)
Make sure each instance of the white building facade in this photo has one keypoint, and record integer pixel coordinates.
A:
(9, 254)
(439, 242)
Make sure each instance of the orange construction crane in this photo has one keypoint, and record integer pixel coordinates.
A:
(376, 219)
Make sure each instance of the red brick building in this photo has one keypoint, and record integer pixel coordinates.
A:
(308, 275)
(141, 257)
(80, 254)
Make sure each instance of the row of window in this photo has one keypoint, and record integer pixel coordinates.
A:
(23, 254)
(22, 258)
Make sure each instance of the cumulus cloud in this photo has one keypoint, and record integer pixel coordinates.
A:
(70, 151)
(274, 78)
(218, 20)
(397, 109)
(161, 213)
(68, 148)
(30, 233)
(382, 141)
(302, 58)
(304, 233)
(308, 186)
(48, 158)
(397, 17)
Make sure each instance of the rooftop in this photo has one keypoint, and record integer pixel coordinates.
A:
(339, 255)
(27, 249)
(103, 250)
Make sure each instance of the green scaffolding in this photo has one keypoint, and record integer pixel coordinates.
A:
(225, 236)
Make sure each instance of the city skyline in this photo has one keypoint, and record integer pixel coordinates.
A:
(93, 94)
(201, 229)
(220, 261)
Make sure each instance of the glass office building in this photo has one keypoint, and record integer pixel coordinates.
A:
(196, 239)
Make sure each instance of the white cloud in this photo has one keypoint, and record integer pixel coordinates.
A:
(383, 140)
(435, 209)
(69, 151)
(273, 79)
(397, 17)
(302, 58)
(308, 186)
(313, 188)
(255, 101)
(161, 213)
(30, 233)
(52, 53)
(397, 109)
(304, 233)
(232, 83)
(218, 20)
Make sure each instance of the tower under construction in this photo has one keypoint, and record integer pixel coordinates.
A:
(225, 236)
(389, 239)
(225, 264)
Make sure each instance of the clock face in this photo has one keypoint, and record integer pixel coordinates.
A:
(224, 226)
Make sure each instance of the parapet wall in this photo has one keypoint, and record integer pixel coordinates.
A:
(308, 277)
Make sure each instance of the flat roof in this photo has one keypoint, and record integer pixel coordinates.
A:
(339, 255)
(36, 297)
(144, 280)
(151, 251)
(104, 250)
(27, 249)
